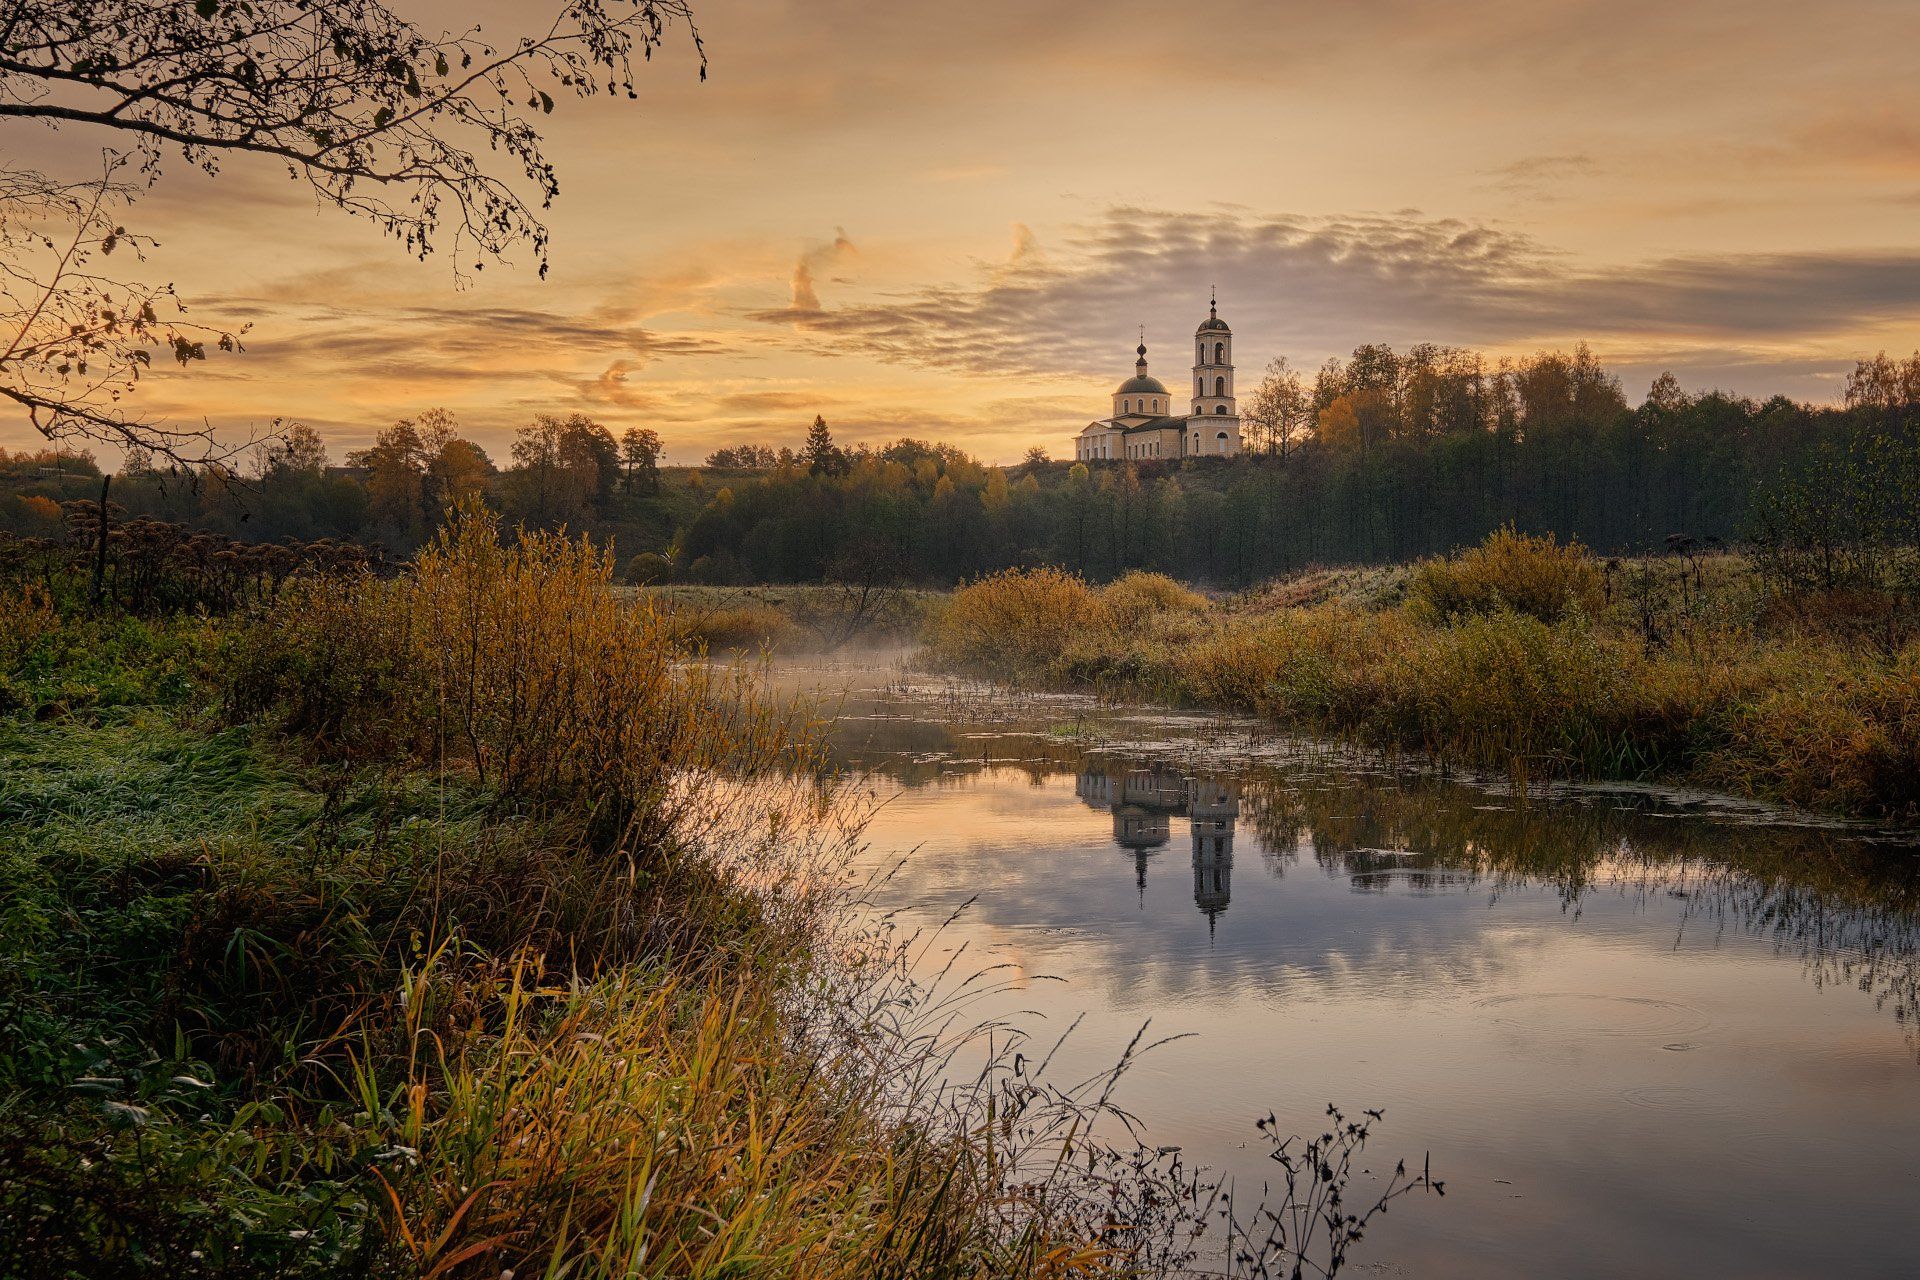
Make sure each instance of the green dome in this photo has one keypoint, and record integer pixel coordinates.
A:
(1140, 384)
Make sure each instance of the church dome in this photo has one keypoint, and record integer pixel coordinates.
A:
(1141, 384)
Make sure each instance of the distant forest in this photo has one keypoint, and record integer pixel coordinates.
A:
(1380, 457)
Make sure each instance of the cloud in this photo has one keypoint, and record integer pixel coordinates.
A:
(806, 300)
(1539, 177)
(1325, 283)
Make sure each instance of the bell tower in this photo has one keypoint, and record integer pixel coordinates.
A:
(1214, 427)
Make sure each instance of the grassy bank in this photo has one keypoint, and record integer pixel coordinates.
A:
(455, 925)
(1522, 656)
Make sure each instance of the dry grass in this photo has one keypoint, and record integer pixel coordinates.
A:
(1524, 656)
(1515, 572)
(493, 935)
(519, 663)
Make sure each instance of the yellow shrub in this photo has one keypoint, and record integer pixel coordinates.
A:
(1831, 729)
(1135, 597)
(1020, 622)
(517, 661)
(738, 626)
(1535, 576)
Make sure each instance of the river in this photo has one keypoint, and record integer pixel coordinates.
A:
(1639, 1032)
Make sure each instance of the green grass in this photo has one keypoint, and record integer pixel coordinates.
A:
(298, 979)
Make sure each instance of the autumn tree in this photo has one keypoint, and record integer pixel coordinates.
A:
(640, 460)
(432, 138)
(1881, 383)
(565, 467)
(296, 451)
(1279, 409)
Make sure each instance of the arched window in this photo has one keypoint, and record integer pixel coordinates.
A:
(1219, 386)
(1126, 406)
(1219, 353)
(1219, 408)
(1196, 442)
(1199, 385)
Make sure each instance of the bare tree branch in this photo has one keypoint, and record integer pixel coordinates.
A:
(376, 116)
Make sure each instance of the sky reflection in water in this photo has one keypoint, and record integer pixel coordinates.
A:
(1635, 1040)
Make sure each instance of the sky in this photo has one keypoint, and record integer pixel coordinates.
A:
(953, 221)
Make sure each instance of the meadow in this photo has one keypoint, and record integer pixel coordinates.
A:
(1523, 656)
(460, 923)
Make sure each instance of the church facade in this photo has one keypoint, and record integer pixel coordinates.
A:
(1144, 425)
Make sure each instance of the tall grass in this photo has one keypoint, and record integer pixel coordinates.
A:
(520, 663)
(1518, 657)
(1533, 575)
(490, 934)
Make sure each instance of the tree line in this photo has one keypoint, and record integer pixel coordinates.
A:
(1381, 457)
(1386, 457)
(563, 471)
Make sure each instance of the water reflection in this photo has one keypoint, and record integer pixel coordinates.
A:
(1143, 801)
(1642, 1033)
(1845, 903)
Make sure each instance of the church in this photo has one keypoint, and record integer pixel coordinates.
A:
(1144, 425)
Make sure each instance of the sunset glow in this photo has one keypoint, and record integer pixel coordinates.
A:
(952, 222)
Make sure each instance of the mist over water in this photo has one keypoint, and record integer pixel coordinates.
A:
(1640, 1032)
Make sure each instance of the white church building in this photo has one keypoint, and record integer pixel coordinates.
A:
(1144, 424)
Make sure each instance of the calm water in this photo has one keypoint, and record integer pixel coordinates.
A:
(1641, 1034)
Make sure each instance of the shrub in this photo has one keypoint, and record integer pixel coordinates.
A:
(744, 625)
(1535, 576)
(1019, 623)
(1828, 729)
(519, 662)
(1135, 597)
(648, 568)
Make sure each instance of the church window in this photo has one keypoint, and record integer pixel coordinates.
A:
(1219, 353)
(1219, 386)
(1219, 408)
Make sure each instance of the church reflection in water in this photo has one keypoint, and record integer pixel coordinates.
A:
(1144, 802)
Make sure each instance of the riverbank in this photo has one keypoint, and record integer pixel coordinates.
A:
(456, 925)
(1521, 656)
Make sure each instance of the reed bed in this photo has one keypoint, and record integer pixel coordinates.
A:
(1522, 656)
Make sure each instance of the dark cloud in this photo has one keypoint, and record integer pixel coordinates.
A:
(1314, 285)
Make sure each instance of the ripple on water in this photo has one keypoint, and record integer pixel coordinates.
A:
(1575, 1014)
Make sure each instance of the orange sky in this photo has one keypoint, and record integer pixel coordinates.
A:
(949, 221)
